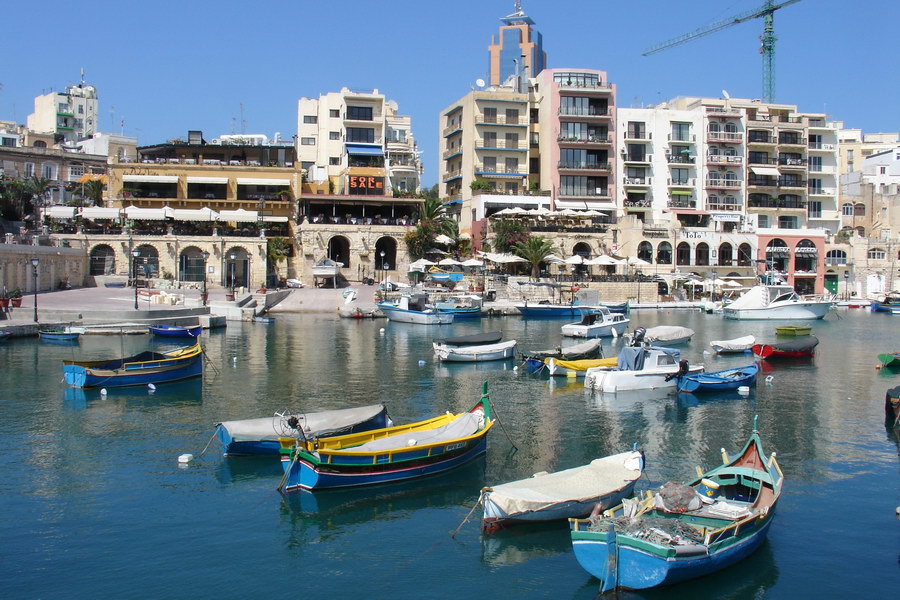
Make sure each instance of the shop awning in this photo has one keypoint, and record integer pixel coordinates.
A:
(682, 192)
(258, 181)
(150, 178)
(60, 212)
(275, 219)
(147, 214)
(365, 150)
(687, 211)
(769, 171)
(98, 212)
(194, 214)
(216, 180)
(238, 216)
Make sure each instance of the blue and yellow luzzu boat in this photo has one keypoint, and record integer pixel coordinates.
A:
(140, 369)
(684, 530)
(387, 455)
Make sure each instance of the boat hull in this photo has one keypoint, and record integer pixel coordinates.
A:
(58, 337)
(610, 382)
(400, 315)
(176, 332)
(792, 310)
(84, 377)
(462, 313)
(638, 569)
(591, 331)
(717, 382)
(502, 351)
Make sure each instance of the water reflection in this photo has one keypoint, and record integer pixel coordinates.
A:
(522, 543)
(239, 469)
(187, 392)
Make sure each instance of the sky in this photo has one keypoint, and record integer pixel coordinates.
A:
(165, 67)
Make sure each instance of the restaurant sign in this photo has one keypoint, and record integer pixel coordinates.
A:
(364, 185)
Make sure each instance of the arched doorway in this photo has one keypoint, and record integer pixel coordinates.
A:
(683, 254)
(805, 256)
(702, 254)
(237, 268)
(777, 255)
(190, 264)
(385, 254)
(745, 255)
(582, 249)
(103, 260)
(339, 250)
(726, 255)
(645, 251)
(146, 264)
(664, 253)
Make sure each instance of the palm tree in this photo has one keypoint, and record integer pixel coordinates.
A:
(93, 191)
(433, 210)
(534, 249)
(38, 187)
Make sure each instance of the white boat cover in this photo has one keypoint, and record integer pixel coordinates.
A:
(272, 428)
(667, 333)
(735, 345)
(474, 350)
(464, 425)
(544, 490)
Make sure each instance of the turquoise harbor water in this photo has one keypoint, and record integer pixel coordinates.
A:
(95, 504)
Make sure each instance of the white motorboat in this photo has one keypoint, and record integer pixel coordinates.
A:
(777, 301)
(640, 368)
(596, 322)
(563, 494)
(480, 353)
(413, 309)
(733, 346)
(326, 268)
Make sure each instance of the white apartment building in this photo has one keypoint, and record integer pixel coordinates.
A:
(356, 142)
(71, 116)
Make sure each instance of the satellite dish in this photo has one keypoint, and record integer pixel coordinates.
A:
(726, 94)
(480, 82)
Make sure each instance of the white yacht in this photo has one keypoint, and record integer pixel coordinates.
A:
(598, 321)
(776, 301)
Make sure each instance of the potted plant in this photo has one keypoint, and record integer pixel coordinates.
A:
(15, 298)
(4, 299)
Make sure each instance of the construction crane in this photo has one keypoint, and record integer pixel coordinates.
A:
(767, 49)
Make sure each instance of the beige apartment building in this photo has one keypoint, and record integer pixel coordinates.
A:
(69, 116)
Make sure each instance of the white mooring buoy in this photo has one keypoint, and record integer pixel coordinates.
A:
(151, 387)
(185, 458)
(421, 363)
(103, 392)
(770, 379)
(744, 390)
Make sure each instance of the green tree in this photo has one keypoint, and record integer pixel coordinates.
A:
(277, 250)
(535, 249)
(507, 233)
(92, 192)
(480, 185)
(16, 199)
(39, 189)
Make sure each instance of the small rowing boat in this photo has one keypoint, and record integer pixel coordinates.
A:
(803, 347)
(889, 360)
(733, 346)
(793, 330)
(482, 353)
(140, 369)
(176, 331)
(719, 381)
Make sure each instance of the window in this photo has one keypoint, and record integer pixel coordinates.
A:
(680, 176)
(81, 109)
(334, 135)
(359, 113)
(859, 210)
(681, 132)
(334, 161)
(512, 165)
(814, 209)
(876, 254)
(577, 79)
(637, 152)
(490, 164)
(75, 171)
(512, 140)
(29, 169)
(306, 165)
(310, 119)
(334, 113)
(490, 139)
(361, 135)
(48, 171)
(512, 116)
(307, 141)
(534, 115)
(788, 222)
(763, 221)
(397, 135)
(847, 210)
(815, 163)
(490, 115)
(637, 130)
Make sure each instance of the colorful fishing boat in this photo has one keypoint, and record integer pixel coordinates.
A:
(414, 309)
(886, 303)
(803, 347)
(640, 368)
(719, 381)
(465, 306)
(795, 330)
(892, 407)
(260, 436)
(534, 359)
(684, 531)
(577, 492)
(60, 335)
(387, 455)
(891, 359)
(140, 369)
(176, 331)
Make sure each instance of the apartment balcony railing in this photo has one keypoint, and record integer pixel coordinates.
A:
(760, 139)
(821, 191)
(590, 139)
(722, 207)
(583, 166)
(777, 203)
(452, 174)
(725, 136)
(762, 161)
(573, 111)
(596, 227)
(820, 146)
(792, 162)
(452, 151)
(682, 203)
(448, 131)
(681, 182)
(723, 159)
(683, 137)
(500, 170)
(789, 182)
(376, 117)
(723, 184)
(646, 203)
(637, 158)
(718, 111)
(584, 192)
(795, 120)
(482, 118)
(791, 141)
(501, 144)
(680, 159)
(638, 181)
(835, 261)
(762, 181)
(638, 135)
(590, 87)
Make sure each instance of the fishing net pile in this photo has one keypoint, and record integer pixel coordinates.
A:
(657, 530)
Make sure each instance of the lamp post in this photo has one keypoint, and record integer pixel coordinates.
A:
(204, 296)
(34, 267)
(134, 256)
(714, 274)
(847, 285)
(232, 256)
(639, 274)
(381, 254)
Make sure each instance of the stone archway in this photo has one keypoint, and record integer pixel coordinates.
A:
(645, 251)
(702, 254)
(683, 254)
(339, 250)
(146, 263)
(237, 267)
(385, 254)
(102, 260)
(191, 264)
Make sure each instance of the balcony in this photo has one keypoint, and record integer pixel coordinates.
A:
(720, 183)
(683, 138)
(777, 203)
(762, 161)
(725, 137)
(722, 159)
(766, 140)
(483, 119)
(499, 144)
(761, 181)
(792, 141)
(447, 154)
(645, 204)
(572, 86)
(375, 120)
(451, 175)
(792, 163)
(682, 203)
(791, 182)
(454, 129)
(583, 166)
(499, 170)
(821, 191)
(637, 181)
(637, 158)
(640, 136)
(821, 146)
(791, 120)
(721, 112)
(724, 207)
(583, 192)
(591, 140)
(587, 113)
(681, 182)
(680, 159)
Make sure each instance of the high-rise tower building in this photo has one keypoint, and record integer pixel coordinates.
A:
(71, 115)
(519, 49)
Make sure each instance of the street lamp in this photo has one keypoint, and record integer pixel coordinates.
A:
(233, 257)
(381, 254)
(639, 274)
(847, 284)
(714, 274)
(203, 296)
(34, 267)
(134, 256)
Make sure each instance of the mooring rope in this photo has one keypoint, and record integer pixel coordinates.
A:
(465, 520)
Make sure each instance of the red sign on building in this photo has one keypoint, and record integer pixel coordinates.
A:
(365, 185)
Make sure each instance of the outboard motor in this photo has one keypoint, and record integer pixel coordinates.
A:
(638, 337)
(683, 369)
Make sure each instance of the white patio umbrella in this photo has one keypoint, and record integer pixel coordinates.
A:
(473, 262)
(603, 260)
(449, 261)
(443, 239)
(575, 259)
(515, 210)
(552, 259)
(421, 263)
(731, 284)
(635, 261)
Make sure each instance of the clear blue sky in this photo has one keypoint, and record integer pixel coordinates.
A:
(167, 67)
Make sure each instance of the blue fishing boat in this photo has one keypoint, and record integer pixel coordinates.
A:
(719, 381)
(464, 306)
(176, 331)
(140, 369)
(59, 335)
(684, 531)
(886, 304)
(387, 455)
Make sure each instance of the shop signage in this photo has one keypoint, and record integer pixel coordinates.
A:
(778, 249)
(695, 235)
(806, 250)
(364, 185)
(727, 218)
